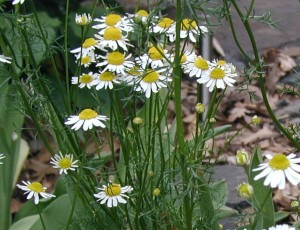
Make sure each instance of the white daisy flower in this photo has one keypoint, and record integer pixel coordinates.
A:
(5, 59)
(282, 227)
(87, 49)
(105, 80)
(197, 66)
(218, 77)
(34, 189)
(112, 194)
(190, 29)
(164, 26)
(63, 163)
(152, 81)
(156, 57)
(114, 20)
(133, 75)
(86, 119)
(277, 169)
(86, 61)
(116, 62)
(141, 16)
(223, 65)
(18, 1)
(1, 157)
(85, 80)
(186, 58)
(112, 37)
(83, 19)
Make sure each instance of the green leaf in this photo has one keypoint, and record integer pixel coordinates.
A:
(280, 215)
(25, 223)
(262, 194)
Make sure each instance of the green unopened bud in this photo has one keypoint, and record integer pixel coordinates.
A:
(242, 157)
(137, 121)
(156, 192)
(245, 190)
(141, 16)
(255, 120)
(200, 108)
(212, 120)
(150, 173)
(295, 204)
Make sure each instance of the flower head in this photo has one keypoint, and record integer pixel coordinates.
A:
(245, 190)
(218, 77)
(1, 157)
(197, 67)
(255, 120)
(85, 80)
(282, 227)
(87, 49)
(295, 204)
(141, 16)
(116, 62)
(86, 119)
(63, 163)
(112, 194)
(34, 189)
(83, 19)
(156, 192)
(164, 26)
(5, 59)
(242, 157)
(200, 108)
(156, 58)
(277, 169)
(190, 28)
(106, 80)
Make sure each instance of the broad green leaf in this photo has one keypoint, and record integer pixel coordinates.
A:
(25, 223)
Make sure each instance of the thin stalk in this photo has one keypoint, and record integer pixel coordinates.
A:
(68, 102)
(41, 217)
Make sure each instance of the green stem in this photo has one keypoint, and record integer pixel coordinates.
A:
(261, 78)
(41, 217)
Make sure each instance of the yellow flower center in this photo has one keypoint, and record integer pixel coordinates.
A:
(107, 76)
(65, 163)
(112, 19)
(217, 73)
(151, 77)
(112, 33)
(155, 54)
(165, 23)
(183, 59)
(36, 187)
(201, 63)
(89, 42)
(142, 13)
(85, 60)
(279, 162)
(87, 114)
(115, 58)
(188, 24)
(85, 78)
(113, 190)
(221, 63)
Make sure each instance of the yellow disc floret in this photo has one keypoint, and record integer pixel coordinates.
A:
(279, 162)
(112, 19)
(36, 187)
(217, 73)
(151, 77)
(155, 53)
(188, 24)
(201, 63)
(113, 190)
(115, 58)
(89, 42)
(165, 23)
(65, 163)
(87, 114)
(107, 76)
(85, 78)
(112, 33)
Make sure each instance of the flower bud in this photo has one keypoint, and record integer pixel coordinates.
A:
(150, 173)
(295, 204)
(137, 121)
(212, 120)
(242, 157)
(156, 192)
(245, 190)
(200, 108)
(83, 19)
(141, 16)
(255, 120)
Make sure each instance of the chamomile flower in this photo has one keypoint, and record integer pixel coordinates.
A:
(86, 61)
(86, 119)
(218, 77)
(18, 1)
(85, 80)
(83, 19)
(88, 47)
(34, 189)
(277, 169)
(282, 227)
(197, 66)
(105, 80)
(141, 16)
(5, 59)
(116, 62)
(164, 26)
(133, 75)
(112, 37)
(112, 194)
(1, 157)
(156, 57)
(186, 58)
(114, 20)
(152, 82)
(190, 28)
(63, 163)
